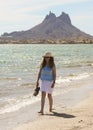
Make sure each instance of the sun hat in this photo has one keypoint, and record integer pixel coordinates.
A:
(48, 54)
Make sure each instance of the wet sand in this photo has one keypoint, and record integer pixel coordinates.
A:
(79, 117)
(72, 110)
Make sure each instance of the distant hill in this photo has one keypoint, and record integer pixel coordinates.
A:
(51, 27)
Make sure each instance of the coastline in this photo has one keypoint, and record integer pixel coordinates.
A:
(80, 117)
(46, 43)
(18, 70)
(65, 110)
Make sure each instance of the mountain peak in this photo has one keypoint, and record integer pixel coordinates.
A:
(65, 17)
(51, 16)
(51, 28)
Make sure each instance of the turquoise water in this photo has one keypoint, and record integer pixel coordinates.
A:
(16, 59)
(19, 66)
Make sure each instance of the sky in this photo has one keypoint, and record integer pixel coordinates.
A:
(21, 15)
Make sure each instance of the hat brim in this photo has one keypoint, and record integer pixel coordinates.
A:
(48, 56)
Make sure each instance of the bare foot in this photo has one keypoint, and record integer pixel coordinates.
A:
(50, 110)
(41, 113)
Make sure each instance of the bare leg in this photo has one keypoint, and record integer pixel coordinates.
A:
(43, 95)
(50, 102)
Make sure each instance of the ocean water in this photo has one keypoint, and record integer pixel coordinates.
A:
(19, 66)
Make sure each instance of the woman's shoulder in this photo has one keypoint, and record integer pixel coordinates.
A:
(54, 66)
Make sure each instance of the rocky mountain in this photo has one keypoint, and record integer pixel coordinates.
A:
(51, 27)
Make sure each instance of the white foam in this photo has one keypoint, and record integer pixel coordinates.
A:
(61, 80)
(15, 104)
(18, 104)
(72, 78)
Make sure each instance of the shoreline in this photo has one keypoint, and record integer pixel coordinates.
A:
(80, 117)
(46, 43)
(63, 103)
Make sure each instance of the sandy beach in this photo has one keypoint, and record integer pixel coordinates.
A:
(72, 108)
(78, 116)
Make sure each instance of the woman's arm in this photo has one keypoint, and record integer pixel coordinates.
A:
(37, 83)
(54, 76)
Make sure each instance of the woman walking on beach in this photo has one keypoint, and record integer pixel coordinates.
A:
(47, 74)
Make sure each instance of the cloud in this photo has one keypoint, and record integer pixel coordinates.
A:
(37, 4)
(28, 13)
(27, 6)
(23, 6)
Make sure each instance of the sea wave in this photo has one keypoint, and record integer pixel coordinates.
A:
(79, 64)
(73, 77)
(16, 104)
(9, 78)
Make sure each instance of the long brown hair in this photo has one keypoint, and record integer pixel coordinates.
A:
(51, 62)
